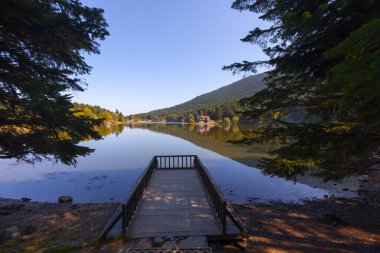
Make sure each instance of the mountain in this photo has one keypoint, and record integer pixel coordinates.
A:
(208, 103)
(234, 91)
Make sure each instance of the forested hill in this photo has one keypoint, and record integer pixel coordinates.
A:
(235, 91)
(208, 102)
(97, 112)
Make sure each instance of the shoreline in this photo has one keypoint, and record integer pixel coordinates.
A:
(328, 225)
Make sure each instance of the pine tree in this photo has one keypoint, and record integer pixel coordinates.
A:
(325, 60)
(42, 43)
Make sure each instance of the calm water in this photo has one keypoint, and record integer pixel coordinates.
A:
(109, 173)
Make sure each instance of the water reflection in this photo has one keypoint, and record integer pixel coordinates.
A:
(109, 173)
(105, 130)
(216, 138)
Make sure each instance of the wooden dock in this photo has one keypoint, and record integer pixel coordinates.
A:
(176, 196)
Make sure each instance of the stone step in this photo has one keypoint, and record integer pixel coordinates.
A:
(166, 250)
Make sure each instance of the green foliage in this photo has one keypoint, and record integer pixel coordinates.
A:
(97, 112)
(191, 119)
(325, 61)
(173, 118)
(41, 56)
(106, 116)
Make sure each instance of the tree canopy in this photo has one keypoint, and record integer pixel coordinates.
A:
(324, 58)
(42, 43)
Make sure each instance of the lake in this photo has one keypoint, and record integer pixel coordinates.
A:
(110, 172)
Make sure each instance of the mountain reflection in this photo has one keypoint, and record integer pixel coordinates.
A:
(217, 138)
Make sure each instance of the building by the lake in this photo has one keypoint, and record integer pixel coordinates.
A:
(205, 119)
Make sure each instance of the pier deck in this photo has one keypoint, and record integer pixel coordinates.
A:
(176, 196)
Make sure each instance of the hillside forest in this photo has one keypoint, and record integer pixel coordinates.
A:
(97, 112)
(220, 104)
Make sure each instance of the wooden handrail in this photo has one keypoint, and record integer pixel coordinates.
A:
(126, 210)
(221, 205)
(217, 199)
(175, 161)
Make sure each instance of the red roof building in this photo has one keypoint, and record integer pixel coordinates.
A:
(204, 118)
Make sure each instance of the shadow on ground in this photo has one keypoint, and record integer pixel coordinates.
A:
(330, 225)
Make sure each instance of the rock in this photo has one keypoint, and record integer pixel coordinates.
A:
(65, 199)
(193, 242)
(15, 235)
(364, 178)
(25, 199)
(170, 244)
(13, 229)
(144, 243)
(345, 189)
(13, 232)
(158, 240)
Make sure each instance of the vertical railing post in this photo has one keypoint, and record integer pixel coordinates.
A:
(224, 216)
(123, 219)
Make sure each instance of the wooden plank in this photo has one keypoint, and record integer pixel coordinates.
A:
(174, 203)
(178, 202)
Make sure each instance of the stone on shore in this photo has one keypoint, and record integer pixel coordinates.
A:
(158, 240)
(144, 243)
(364, 178)
(13, 229)
(65, 199)
(25, 199)
(13, 232)
(170, 244)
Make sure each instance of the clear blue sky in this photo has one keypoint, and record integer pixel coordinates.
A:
(164, 52)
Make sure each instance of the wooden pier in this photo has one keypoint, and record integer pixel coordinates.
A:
(176, 196)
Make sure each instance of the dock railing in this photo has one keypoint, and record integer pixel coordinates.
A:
(175, 162)
(216, 197)
(127, 209)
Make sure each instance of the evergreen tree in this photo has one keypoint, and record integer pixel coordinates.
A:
(41, 47)
(325, 61)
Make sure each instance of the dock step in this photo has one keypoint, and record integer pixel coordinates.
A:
(164, 250)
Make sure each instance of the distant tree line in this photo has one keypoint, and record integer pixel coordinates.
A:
(97, 112)
(190, 114)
